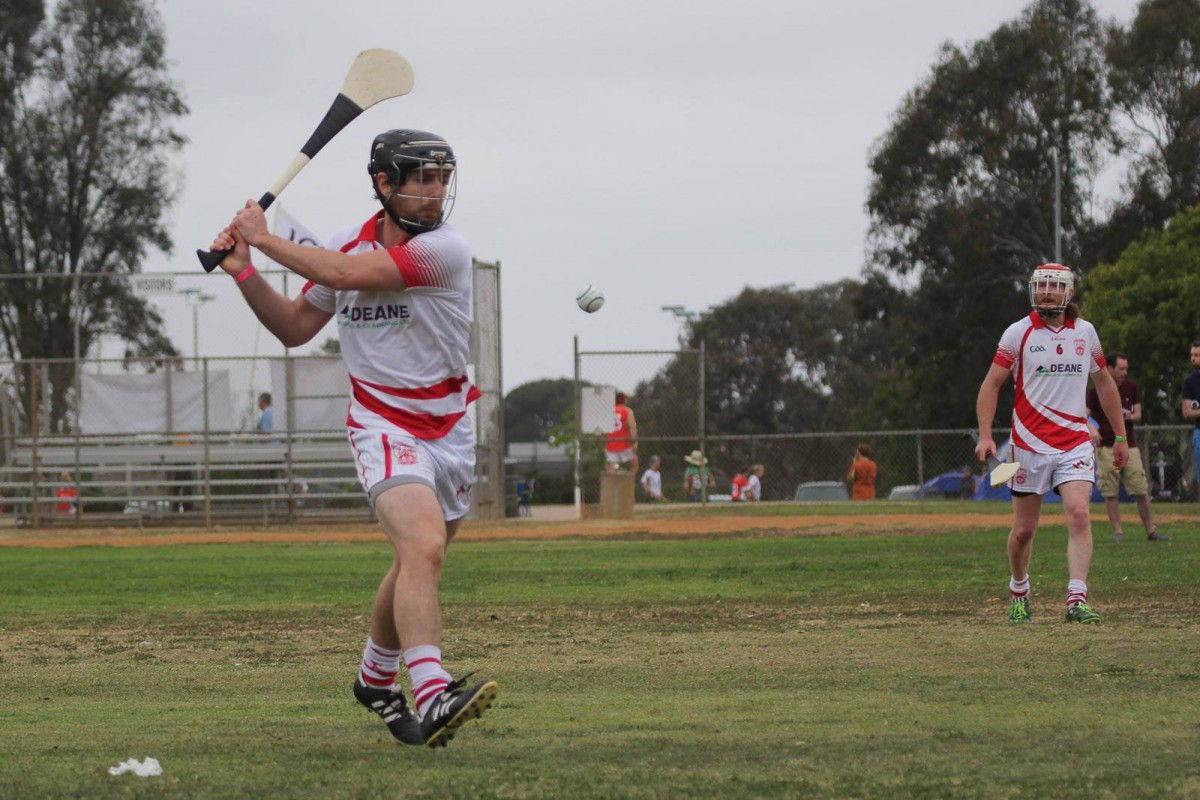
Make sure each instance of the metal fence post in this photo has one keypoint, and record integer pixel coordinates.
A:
(35, 467)
(578, 437)
(168, 368)
(705, 470)
(921, 470)
(290, 372)
(207, 453)
(77, 366)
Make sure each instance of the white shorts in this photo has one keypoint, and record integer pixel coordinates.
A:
(619, 456)
(392, 457)
(1039, 473)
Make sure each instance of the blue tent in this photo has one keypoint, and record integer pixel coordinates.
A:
(951, 484)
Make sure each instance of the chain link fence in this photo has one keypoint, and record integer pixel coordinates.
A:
(670, 430)
(919, 464)
(153, 441)
(912, 465)
(172, 441)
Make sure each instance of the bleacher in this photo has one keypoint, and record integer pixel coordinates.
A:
(145, 479)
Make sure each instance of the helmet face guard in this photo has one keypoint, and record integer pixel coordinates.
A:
(1054, 281)
(400, 153)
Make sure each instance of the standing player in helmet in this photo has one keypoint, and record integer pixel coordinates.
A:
(1049, 355)
(400, 287)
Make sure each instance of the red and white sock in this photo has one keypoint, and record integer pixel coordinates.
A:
(1019, 588)
(379, 666)
(424, 664)
(1076, 592)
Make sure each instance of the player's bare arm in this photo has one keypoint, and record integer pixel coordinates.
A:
(374, 271)
(1191, 412)
(1110, 401)
(292, 322)
(985, 409)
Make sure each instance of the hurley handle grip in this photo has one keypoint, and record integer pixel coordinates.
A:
(992, 461)
(211, 259)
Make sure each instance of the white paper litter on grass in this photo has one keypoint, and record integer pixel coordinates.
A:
(143, 769)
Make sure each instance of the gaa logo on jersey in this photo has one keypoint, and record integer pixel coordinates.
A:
(404, 455)
(1080, 344)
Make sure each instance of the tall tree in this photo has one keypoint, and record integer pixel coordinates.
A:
(1147, 305)
(19, 20)
(85, 181)
(1155, 83)
(534, 409)
(777, 360)
(963, 195)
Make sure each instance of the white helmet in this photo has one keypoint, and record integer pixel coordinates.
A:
(1056, 278)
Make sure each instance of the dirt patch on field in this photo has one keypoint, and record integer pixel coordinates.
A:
(808, 524)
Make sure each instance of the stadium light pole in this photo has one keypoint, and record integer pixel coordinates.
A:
(679, 312)
(196, 298)
(1057, 208)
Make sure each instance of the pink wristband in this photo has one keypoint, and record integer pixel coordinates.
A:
(244, 275)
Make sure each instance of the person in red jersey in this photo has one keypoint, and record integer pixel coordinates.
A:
(620, 451)
(1049, 356)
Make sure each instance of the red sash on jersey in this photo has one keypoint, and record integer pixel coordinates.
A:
(409, 415)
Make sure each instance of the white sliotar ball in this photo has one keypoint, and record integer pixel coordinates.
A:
(590, 299)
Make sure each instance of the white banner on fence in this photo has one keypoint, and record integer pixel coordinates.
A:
(322, 394)
(596, 408)
(138, 403)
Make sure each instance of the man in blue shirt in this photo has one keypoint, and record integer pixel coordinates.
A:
(1191, 402)
(266, 421)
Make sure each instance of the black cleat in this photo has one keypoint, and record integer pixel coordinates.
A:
(392, 709)
(454, 706)
(1155, 536)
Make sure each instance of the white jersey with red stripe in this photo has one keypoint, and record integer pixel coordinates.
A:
(1050, 367)
(406, 351)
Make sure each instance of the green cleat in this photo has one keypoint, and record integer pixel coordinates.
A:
(1018, 612)
(1081, 612)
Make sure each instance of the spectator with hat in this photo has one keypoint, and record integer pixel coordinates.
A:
(697, 476)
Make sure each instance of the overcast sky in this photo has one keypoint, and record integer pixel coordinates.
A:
(671, 152)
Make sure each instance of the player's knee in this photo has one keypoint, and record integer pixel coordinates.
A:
(426, 554)
(1079, 519)
(432, 555)
(1022, 534)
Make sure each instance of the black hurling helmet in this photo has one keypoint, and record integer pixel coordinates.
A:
(397, 153)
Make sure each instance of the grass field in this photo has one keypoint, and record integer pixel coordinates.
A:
(733, 665)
